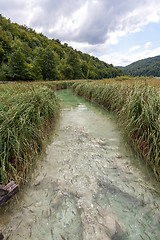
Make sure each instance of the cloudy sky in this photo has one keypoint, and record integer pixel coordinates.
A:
(116, 31)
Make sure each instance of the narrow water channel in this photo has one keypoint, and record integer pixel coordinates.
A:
(89, 186)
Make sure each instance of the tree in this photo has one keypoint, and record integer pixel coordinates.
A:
(26, 55)
(84, 67)
(74, 62)
(2, 53)
(66, 71)
(47, 63)
(17, 66)
(5, 46)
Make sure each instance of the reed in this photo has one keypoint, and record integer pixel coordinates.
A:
(58, 85)
(27, 113)
(137, 108)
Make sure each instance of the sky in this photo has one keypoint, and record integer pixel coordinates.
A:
(118, 32)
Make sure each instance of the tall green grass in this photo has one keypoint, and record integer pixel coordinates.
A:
(58, 85)
(137, 109)
(27, 113)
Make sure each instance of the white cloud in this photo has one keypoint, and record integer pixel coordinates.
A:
(88, 48)
(119, 59)
(91, 21)
(147, 44)
(88, 25)
(134, 48)
(69, 25)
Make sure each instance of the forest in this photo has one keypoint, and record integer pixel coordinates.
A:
(145, 67)
(79, 138)
(26, 55)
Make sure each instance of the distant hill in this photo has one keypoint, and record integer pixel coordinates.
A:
(27, 55)
(120, 67)
(145, 67)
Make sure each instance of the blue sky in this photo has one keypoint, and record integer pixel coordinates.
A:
(134, 46)
(116, 31)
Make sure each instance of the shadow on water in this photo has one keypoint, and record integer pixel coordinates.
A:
(89, 185)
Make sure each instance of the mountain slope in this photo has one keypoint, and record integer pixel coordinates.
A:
(27, 55)
(145, 67)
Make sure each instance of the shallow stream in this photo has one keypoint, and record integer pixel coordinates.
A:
(89, 185)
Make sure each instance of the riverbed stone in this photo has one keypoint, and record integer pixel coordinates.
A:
(82, 188)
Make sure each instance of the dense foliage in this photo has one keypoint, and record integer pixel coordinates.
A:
(137, 107)
(27, 55)
(145, 67)
(27, 114)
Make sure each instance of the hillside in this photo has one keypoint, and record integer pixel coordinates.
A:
(27, 55)
(145, 67)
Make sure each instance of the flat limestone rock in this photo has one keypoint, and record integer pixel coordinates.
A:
(7, 192)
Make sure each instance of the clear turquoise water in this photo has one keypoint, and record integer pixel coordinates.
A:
(88, 186)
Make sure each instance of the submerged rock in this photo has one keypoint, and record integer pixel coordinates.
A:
(105, 224)
(84, 190)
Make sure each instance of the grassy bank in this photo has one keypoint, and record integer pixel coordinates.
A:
(138, 109)
(27, 113)
(58, 85)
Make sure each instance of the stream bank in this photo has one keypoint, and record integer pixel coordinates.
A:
(89, 185)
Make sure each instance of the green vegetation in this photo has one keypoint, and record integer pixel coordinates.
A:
(138, 109)
(58, 85)
(145, 67)
(28, 111)
(27, 114)
(26, 55)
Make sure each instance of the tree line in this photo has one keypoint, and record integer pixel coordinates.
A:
(27, 55)
(145, 67)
